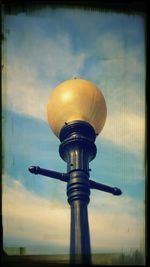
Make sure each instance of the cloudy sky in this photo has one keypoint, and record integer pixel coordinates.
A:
(41, 50)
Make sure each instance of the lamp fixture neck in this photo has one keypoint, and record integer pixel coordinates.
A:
(77, 146)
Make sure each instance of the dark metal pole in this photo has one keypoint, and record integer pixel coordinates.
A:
(77, 148)
(80, 250)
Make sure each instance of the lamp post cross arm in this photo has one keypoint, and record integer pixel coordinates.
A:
(65, 178)
(56, 175)
(102, 187)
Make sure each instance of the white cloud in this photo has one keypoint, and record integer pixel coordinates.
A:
(29, 79)
(114, 223)
(116, 232)
(23, 95)
(31, 217)
(125, 129)
(109, 46)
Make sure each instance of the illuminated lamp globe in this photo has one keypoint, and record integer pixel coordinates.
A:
(74, 100)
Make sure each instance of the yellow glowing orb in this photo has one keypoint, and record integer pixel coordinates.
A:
(76, 100)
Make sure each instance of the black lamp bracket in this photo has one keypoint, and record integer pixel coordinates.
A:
(65, 178)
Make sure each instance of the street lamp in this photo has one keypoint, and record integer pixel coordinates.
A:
(76, 114)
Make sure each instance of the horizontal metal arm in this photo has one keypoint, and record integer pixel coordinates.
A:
(65, 178)
(56, 175)
(113, 190)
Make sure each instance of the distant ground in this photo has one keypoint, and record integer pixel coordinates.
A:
(136, 258)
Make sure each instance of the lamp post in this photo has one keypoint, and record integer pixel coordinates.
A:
(76, 115)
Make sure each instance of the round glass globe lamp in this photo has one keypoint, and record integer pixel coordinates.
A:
(74, 100)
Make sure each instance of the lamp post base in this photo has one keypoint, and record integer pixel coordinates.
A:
(80, 251)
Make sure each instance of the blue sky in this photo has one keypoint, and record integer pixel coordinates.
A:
(42, 50)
